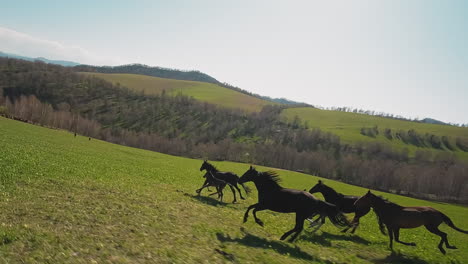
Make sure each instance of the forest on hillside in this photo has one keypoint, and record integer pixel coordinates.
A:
(56, 96)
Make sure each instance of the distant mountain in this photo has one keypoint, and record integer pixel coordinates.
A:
(58, 62)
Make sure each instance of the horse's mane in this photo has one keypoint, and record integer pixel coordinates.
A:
(381, 211)
(387, 203)
(211, 166)
(332, 190)
(270, 176)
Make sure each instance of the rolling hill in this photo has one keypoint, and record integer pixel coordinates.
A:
(206, 92)
(345, 125)
(348, 127)
(73, 200)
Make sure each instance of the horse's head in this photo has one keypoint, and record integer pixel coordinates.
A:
(317, 188)
(204, 166)
(248, 175)
(365, 201)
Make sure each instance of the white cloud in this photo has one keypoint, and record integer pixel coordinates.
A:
(23, 44)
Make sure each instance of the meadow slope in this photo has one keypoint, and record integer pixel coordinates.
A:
(348, 126)
(206, 92)
(73, 200)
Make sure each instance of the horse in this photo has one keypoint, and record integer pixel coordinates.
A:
(229, 177)
(272, 196)
(215, 182)
(345, 203)
(395, 216)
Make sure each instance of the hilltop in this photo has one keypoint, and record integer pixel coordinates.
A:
(203, 91)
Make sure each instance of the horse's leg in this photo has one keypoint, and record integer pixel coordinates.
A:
(355, 223)
(233, 193)
(396, 234)
(203, 187)
(352, 225)
(205, 184)
(296, 230)
(220, 193)
(246, 215)
(240, 194)
(299, 227)
(390, 235)
(443, 237)
(312, 221)
(257, 220)
(322, 221)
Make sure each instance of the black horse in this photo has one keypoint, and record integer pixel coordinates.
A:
(215, 182)
(229, 177)
(345, 203)
(271, 196)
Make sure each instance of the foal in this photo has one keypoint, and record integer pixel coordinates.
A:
(215, 182)
(345, 203)
(271, 196)
(394, 217)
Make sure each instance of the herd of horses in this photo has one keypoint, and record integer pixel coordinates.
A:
(272, 196)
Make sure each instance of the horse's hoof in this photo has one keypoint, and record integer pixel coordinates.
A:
(452, 247)
(412, 244)
(259, 222)
(242, 198)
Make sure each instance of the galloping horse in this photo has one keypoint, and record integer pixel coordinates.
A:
(394, 217)
(229, 177)
(345, 203)
(271, 196)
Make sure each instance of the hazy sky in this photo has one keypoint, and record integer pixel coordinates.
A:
(403, 57)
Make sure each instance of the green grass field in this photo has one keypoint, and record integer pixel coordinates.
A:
(206, 92)
(70, 200)
(348, 125)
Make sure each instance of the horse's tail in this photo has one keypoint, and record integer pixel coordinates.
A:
(449, 222)
(337, 217)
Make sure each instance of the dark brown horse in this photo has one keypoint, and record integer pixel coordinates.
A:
(271, 196)
(345, 203)
(229, 177)
(394, 217)
(214, 182)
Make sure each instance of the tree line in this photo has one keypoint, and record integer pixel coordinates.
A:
(58, 97)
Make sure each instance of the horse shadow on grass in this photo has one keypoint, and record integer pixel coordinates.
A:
(280, 247)
(325, 238)
(399, 258)
(206, 199)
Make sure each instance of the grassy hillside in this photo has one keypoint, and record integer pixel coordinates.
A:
(348, 125)
(70, 200)
(202, 91)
